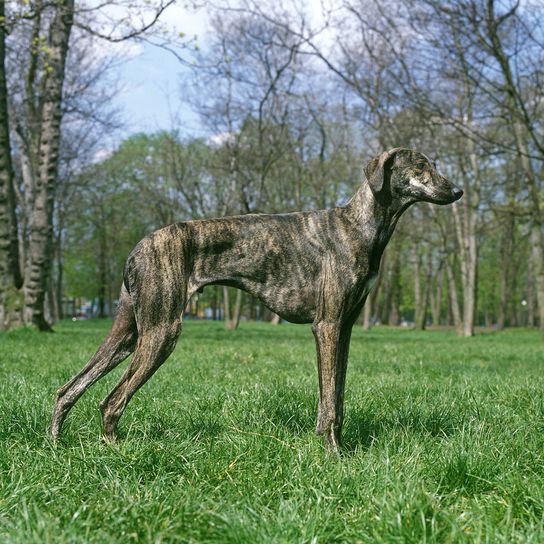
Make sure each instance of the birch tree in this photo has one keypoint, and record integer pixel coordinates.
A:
(10, 276)
(44, 30)
(38, 263)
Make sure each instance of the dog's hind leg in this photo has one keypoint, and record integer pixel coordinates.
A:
(116, 347)
(153, 349)
(159, 325)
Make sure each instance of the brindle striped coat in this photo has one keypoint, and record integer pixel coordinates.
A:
(309, 267)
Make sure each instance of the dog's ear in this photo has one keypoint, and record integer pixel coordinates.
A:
(378, 170)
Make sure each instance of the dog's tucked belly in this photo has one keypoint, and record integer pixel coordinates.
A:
(296, 305)
(292, 304)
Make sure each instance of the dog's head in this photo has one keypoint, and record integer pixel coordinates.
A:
(409, 176)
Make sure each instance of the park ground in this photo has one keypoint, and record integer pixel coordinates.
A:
(444, 441)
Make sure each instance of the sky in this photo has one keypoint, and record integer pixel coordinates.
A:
(150, 97)
(151, 78)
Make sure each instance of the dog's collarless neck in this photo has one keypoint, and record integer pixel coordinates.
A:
(374, 216)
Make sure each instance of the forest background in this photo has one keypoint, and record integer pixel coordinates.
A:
(291, 100)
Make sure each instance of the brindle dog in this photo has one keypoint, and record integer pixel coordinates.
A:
(309, 267)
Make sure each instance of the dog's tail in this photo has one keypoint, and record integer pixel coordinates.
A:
(126, 283)
(129, 267)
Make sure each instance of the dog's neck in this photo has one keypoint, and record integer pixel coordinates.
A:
(375, 216)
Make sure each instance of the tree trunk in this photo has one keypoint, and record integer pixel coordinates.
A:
(232, 320)
(465, 212)
(468, 255)
(536, 237)
(372, 297)
(394, 314)
(60, 270)
(10, 275)
(394, 290)
(41, 222)
(382, 306)
(51, 301)
(214, 302)
(453, 299)
(103, 273)
(469, 292)
(111, 312)
(506, 260)
(276, 319)
(226, 306)
(530, 294)
(421, 291)
(436, 296)
(537, 257)
(524, 131)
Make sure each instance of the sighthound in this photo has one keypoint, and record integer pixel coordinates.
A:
(309, 267)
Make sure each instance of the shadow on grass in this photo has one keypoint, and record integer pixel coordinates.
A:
(293, 413)
(289, 411)
(363, 428)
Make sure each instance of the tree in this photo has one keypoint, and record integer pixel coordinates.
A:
(40, 241)
(10, 276)
(104, 223)
(44, 31)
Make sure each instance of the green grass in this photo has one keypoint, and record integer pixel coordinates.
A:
(444, 441)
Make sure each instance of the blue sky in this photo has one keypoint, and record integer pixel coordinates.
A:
(151, 97)
(150, 77)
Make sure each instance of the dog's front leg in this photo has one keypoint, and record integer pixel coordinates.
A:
(332, 342)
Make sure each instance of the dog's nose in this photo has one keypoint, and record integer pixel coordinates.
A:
(457, 193)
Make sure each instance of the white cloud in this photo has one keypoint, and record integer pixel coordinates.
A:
(102, 154)
(222, 138)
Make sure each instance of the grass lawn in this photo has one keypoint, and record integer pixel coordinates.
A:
(444, 441)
